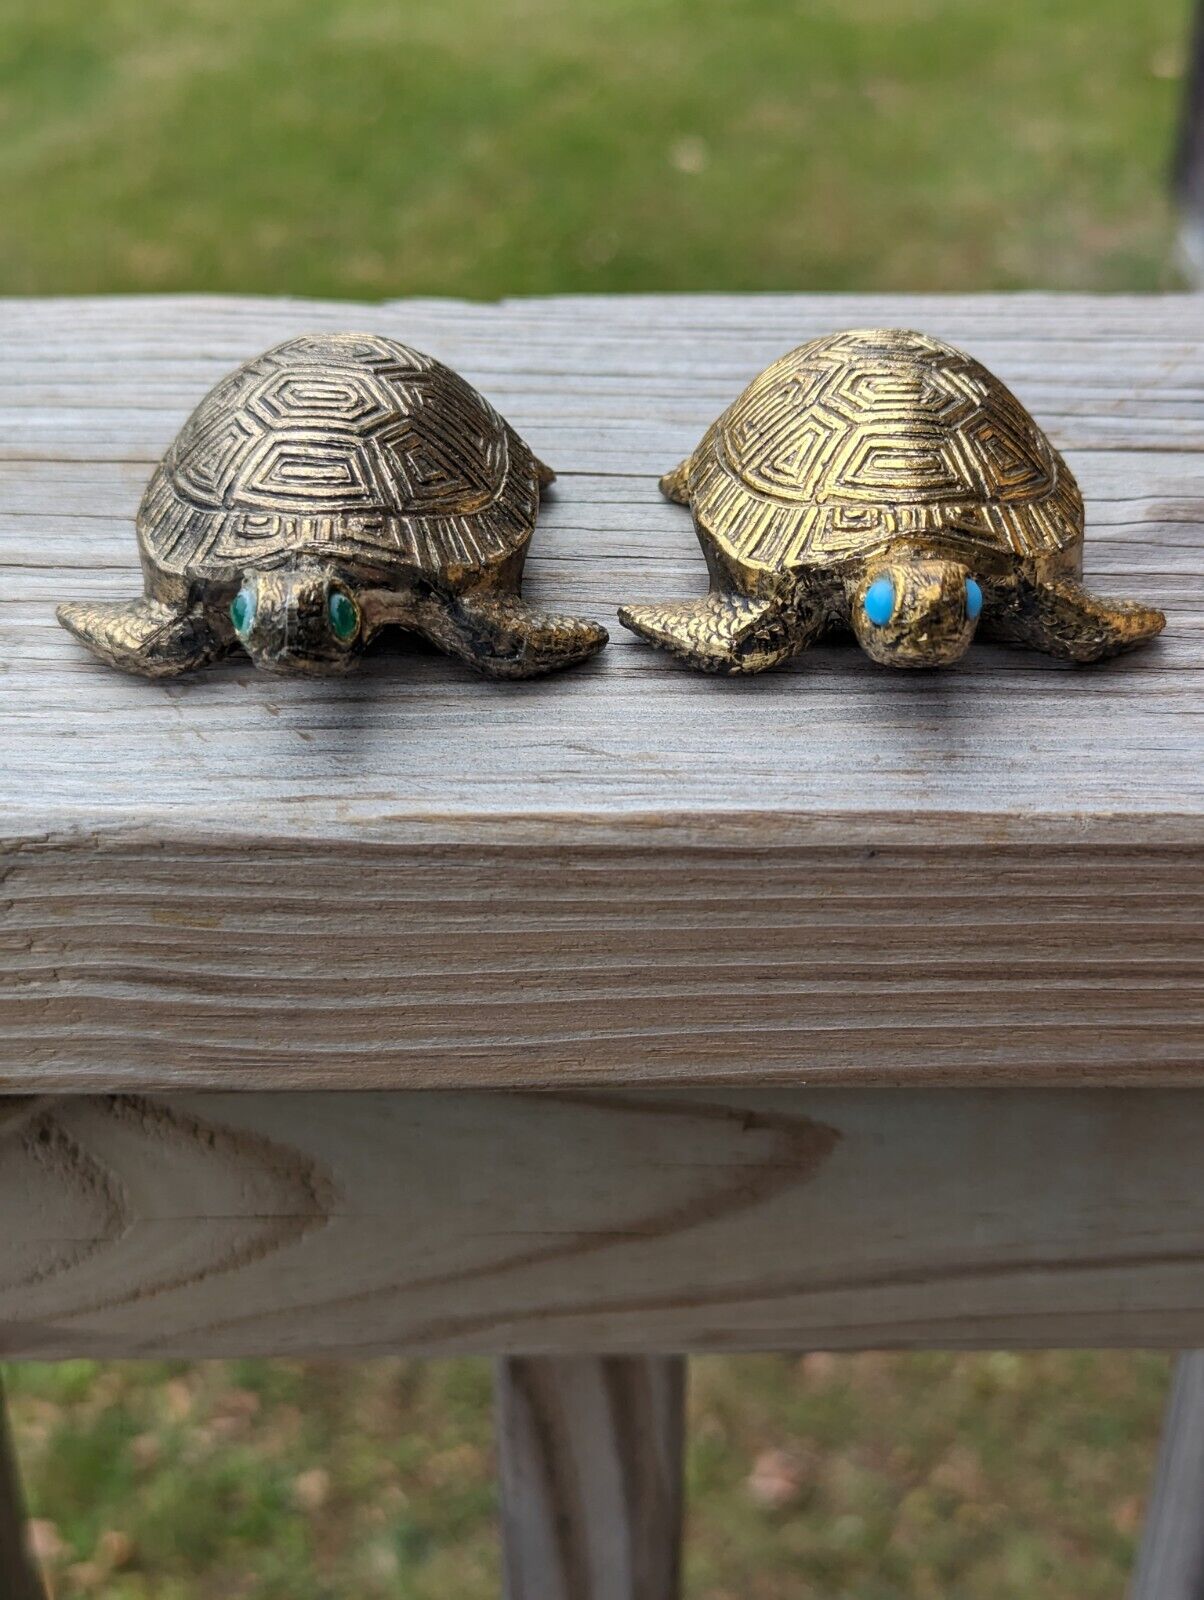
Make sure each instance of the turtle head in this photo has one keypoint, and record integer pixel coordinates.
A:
(915, 612)
(298, 620)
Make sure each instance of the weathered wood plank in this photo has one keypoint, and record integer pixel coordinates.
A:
(646, 375)
(627, 873)
(19, 1578)
(248, 964)
(1170, 1565)
(591, 1476)
(601, 1223)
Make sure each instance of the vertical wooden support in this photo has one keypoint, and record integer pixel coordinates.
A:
(591, 1476)
(1171, 1562)
(19, 1578)
(1189, 153)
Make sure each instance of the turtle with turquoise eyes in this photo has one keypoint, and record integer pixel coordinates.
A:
(881, 481)
(338, 485)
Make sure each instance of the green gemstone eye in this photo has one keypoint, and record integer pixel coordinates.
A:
(242, 611)
(344, 615)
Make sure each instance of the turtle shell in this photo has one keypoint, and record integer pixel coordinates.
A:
(348, 447)
(857, 439)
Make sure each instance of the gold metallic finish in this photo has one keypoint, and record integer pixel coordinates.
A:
(337, 485)
(887, 461)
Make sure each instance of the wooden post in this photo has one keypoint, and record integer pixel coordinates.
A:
(19, 1579)
(591, 1476)
(1189, 153)
(1171, 1563)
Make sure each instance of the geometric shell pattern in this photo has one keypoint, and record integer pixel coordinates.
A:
(855, 439)
(341, 445)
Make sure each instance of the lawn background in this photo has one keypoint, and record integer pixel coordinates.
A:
(492, 147)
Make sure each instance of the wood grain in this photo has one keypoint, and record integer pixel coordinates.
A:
(601, 1222)
(591, 1476)
(1170, 1564)
(630, 874)
(19, 1578)
(373, 965)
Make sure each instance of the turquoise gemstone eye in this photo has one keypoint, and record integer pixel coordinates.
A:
(879, 601)
(344, 615)
(242, 611)
(973, 599)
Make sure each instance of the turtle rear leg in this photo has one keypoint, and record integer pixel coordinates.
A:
(146, 636)
(675, 484)
(504, 637)
(1064, 619)
(726, 632)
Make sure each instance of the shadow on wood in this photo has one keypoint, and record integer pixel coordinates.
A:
(591, 1464)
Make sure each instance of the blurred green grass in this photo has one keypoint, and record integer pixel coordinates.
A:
(909, 1477)
(366, 148)
(489, 147)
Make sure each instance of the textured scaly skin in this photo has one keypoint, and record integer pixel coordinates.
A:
(147, 636)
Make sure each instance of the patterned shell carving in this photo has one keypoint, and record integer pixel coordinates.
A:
(855, 439)
(344, 445)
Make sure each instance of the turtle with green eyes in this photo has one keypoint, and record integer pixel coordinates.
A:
(883, 482)
(337, 485)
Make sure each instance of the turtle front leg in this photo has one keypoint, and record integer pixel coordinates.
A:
(502, 636)
(1063, 619)
(726, 632)
(147, 636)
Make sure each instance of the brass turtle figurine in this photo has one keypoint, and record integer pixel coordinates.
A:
(883, 481)
(336, 485)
